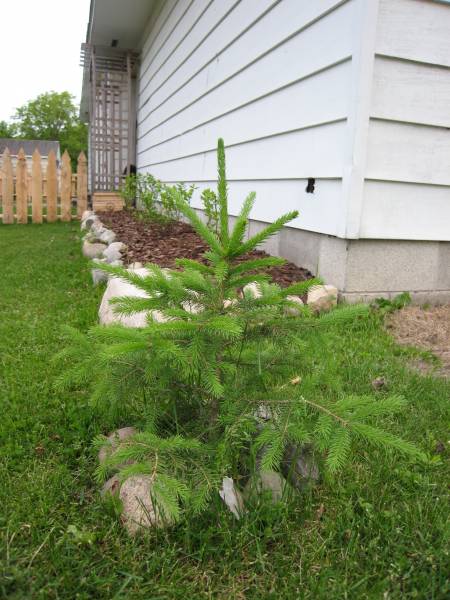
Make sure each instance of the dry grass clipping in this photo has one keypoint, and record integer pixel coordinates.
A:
(426, 328)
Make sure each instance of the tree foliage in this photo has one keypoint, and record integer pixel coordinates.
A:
(7, 130)
(52, 116)
(214, 381)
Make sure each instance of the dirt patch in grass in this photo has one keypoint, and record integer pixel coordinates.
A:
(162, 243)
(425, 328)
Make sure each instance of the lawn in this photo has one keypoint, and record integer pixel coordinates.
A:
(379, 530)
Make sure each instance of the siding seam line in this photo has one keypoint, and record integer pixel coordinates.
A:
(205, 65)
(406, 181)
(251, 63)
(144, 39)
(160, 29)
(415, 123)
(393, 57)
(177, 45)
(322, 178)
(251, 140)
(244, 104)
(186, 58)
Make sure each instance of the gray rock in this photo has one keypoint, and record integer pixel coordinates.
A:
(112, 487)
(117, 287)
(90, 237)
(93, 250)
(232, 497)
(97, 227)
(322, 297)
(88, 223)
(114, 440)
(138, 510)
(107, 236)
(100, 276)
(252, 290)
(300, 467)
(86, 214)
(114, 251)
(294, 311)
(266, 481)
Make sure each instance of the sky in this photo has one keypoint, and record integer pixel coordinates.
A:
(40, 49)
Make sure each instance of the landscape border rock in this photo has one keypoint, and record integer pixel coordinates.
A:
(322, 298)
(265, 482)
(113, 442)
(138, 509)
(99, 244)
(93, 249)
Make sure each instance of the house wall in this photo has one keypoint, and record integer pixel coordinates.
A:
(407, 177)
(274, 78)
(350, 92)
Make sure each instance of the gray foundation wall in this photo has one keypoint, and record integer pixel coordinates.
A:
(365, 269)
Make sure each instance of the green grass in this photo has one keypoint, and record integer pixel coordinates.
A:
(378, 531)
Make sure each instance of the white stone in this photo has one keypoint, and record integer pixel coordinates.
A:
(253, 289)
(232, 497)
(93, 250)
(86, 214)
(90, 237)
(113, 251)
(116, 288)
(322, 297)
(266, 481)
(138, 510)
(97, 226)
(229, 303)
(191, 306)
(112, 487)
(114, 440)
(108, 236)
(135, 265)
(293, 311)
(89, 222)
(100, 276)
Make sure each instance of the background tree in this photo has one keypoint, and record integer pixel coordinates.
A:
(53, 116)
(7, 130)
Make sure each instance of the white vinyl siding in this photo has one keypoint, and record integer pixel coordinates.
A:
(354, 94)
(271, 77)
(407, 187)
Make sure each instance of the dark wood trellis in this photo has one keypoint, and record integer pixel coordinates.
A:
(112, 114)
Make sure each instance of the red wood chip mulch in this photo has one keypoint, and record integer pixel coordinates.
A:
(149, 241)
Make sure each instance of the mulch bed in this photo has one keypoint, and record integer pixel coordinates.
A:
(150, 241)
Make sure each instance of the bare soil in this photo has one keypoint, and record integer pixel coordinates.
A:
(162, 243)
(426, 328)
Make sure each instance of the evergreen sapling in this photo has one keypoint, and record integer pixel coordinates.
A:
(215, 387)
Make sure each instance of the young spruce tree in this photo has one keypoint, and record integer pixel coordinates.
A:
(222, 359)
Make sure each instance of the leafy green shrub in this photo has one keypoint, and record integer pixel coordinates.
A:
(148, 193)
(156, 199)
(128, 190)
(211, 209)
(170, 197)
(214, 386)
(144, 190)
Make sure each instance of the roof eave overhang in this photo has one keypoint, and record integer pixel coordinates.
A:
(116, 24)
